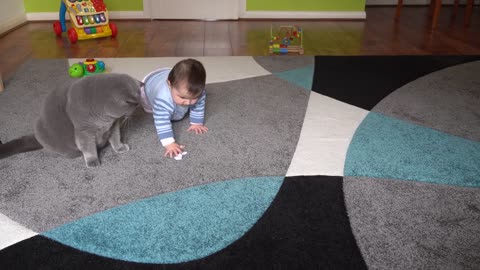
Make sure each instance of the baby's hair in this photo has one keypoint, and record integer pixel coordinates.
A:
(190, 71)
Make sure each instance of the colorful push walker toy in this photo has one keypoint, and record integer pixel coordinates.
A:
(89, 20)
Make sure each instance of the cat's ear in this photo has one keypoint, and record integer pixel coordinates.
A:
(140, 83)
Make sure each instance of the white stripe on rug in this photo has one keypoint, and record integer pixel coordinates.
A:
(11, 232)
(326, 133)
(219, 68)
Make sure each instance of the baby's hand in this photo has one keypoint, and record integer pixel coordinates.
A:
(173, 149)
(198, 129)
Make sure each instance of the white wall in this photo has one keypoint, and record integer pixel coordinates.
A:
(194, 9)
(12, 13)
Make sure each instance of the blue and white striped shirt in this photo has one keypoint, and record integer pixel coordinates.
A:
(164, 109)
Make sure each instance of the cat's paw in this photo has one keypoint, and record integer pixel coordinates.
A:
(93, 163)
(123, 148)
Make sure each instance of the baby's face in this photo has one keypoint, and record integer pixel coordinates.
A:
(181, 96)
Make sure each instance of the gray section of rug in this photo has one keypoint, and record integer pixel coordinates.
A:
(431, 102)
(280, 63)
(402, 224)
(23, 96)
(254, 125)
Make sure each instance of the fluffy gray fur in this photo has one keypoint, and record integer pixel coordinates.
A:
(81, 117)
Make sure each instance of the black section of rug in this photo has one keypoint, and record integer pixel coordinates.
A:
(306, 227)
(363, 81)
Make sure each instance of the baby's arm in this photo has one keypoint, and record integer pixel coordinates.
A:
(162, 113)
(197, 115)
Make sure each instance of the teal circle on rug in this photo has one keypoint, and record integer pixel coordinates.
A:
(389, 148)
(302, 77)
(173, 227)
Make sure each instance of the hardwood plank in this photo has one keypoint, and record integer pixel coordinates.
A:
(380, 34)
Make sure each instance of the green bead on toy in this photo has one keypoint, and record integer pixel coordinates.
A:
(76, 70)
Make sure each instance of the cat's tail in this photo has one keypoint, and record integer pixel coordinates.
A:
(20, 145)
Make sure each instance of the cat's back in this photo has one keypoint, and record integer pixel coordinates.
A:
(53, 128)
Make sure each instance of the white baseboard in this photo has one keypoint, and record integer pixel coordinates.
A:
(303, 15)
(43, 16)
(54, 16)
(9, 24)
(122, 15)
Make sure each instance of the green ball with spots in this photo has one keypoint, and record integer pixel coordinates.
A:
(76, 70)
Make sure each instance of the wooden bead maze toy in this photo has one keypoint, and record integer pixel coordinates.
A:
(288, 39)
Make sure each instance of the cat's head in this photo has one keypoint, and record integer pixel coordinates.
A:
(124, 96)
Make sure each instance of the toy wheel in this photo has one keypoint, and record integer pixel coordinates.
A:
(72, 35)
(57, 28)
(113, 27)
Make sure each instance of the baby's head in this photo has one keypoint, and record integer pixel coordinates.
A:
(187, 81)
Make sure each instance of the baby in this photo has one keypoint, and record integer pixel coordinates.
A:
(169, 94)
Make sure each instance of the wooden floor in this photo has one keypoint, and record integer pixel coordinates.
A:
(378, 35)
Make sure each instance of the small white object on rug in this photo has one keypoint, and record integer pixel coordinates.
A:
(180, 156)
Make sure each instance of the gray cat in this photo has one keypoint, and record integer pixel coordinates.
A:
(81, 117)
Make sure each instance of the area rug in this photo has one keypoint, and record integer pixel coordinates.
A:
(340, 162)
